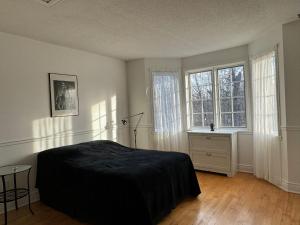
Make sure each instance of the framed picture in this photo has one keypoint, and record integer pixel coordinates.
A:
(63, 94)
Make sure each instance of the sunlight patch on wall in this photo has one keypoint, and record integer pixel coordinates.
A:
(99, 121)
(52, 132)
(114, 118)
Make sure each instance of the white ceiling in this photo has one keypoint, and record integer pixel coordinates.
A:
(129, 29)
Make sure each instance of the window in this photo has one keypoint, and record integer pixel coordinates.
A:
(166, 102)
(218, 96)
(264, 90)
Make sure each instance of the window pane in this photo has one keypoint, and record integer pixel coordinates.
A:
(238, 73)
(197, 106)
(238, 104)
(238, 88)
(208, 106)
(202, 92)
(196, 93)
(194, 80)
(225, 90)
(206, 92)
(226, 119)
(225, 81)
(225, 74)
(208, 119)
(226, 105)
(202, 78)
(197, 120)
(239, 119)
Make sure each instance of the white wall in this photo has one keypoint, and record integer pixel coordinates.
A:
(138, 101)
(26, 126)
(223, 57)
(291, 38)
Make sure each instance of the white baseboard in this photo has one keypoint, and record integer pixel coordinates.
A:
(34, 197)
(283, 184)
(245, 168)
(290, 186)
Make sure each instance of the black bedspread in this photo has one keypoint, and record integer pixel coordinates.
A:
(102, 182)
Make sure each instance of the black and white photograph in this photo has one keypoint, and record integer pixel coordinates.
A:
(63, 93)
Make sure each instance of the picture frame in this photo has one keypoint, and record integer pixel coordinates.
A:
(63, 95)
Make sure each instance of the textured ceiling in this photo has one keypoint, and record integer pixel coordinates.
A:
(129, 29)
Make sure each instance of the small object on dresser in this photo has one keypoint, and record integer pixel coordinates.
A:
(212, 127)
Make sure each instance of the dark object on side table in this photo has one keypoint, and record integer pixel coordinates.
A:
(15, 193)
(103, 182)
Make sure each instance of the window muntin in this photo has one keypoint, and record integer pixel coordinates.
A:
(202, 106)
(218, 96)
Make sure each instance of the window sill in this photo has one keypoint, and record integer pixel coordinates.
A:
(220, 131)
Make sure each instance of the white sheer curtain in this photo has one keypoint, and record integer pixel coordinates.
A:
(168, 132)
(265, 114)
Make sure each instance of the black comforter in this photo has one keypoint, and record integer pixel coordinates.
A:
(102, 182)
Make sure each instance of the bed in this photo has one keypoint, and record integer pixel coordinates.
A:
(105, 183)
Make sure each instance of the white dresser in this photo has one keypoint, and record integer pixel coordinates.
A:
(214, 151)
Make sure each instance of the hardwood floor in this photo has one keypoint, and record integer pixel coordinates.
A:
(240, 200)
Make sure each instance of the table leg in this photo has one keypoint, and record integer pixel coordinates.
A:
(4, 195)
(15, 186)
(28, 186)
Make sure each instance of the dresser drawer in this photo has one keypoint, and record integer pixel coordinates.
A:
(210, 143)
(208, 160)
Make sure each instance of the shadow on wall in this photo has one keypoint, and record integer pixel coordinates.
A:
(52, 132)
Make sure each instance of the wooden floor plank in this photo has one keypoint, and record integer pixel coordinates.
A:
(241, 200)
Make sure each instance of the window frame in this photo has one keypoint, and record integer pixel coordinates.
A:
(218, 101)
(216, 97)
(190, 96)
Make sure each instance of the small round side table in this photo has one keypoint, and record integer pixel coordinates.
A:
(15, 193)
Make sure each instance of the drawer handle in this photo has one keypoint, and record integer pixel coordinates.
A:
(208, 154)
